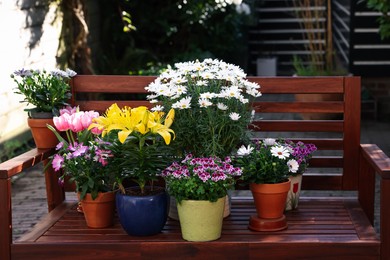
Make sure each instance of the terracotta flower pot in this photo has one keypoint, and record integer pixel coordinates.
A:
(270, 201)
(44, 138)
(99, 213)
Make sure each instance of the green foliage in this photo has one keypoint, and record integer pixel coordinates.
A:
(310, 70)
(12, 148)
(168, 32)
(139, 159)
(261, 165)
(382, 6)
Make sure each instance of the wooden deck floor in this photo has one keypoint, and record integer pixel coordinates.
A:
(310, 229)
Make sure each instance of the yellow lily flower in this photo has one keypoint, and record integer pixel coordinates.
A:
(139, 119)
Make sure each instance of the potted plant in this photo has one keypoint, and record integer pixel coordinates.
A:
(266, 166)
(140, 140)
(48, 92)
(301, 153)
(212, 100)
(200, 186)
(83, 157)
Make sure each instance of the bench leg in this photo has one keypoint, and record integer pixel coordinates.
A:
(5, 219)
(55, 193)
(384, 219)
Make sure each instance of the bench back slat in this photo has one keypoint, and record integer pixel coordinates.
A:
(299, 107)
(335, 164)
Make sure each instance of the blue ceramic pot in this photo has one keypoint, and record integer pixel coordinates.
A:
(142, 215)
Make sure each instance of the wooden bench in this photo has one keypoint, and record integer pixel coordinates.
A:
(334, 227)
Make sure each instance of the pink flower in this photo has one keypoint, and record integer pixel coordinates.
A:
(69, 110)
(81, 120)
(86, 118)
(62, 122)
(75, 123)
(96, 131)
(57, 162)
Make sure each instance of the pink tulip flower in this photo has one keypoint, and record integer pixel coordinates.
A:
(75, 123)
(69, 110)
(62, 122)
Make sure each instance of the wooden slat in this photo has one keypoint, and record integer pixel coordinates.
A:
(322, 182)
(297, 126)
(377, 159)
(121, 84)
(384, 219)
(24, 161)
(299, 107)
(321, 144)
(111, 83)
(326, 161)
(351, 132)
(48, 220)
(315, 224)
(5, 218)
(101, 106)
(306, 85)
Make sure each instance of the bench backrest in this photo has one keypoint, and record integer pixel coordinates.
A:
(278, 114)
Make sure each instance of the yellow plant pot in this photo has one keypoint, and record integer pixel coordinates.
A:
(201, 220)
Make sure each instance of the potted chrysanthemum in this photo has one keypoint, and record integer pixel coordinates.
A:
(200, 186)
(48, 92)
(140, 147)
(82, 157)
(212, 100)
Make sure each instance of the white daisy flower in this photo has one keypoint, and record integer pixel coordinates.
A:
(245, 150)
(204, 102)
(222, 106)
(207, 95)
(293, 165)
(234, 116)
(157, 108)
(153, 101)
(201, 83)
(269, 141)
(233, 91)
(183, 103)
(280, 152)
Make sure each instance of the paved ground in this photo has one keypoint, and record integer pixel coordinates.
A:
(29, 198)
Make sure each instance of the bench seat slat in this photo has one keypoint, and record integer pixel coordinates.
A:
(315, 224)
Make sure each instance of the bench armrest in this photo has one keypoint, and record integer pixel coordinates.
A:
(374, 160)
(13, 167)
(24, 161)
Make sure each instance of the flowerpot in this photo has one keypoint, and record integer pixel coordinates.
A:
(201, 220)
(43, 137)
(142, 215)
(99, 213)
(293, 193)
(270, 201)
(173, 214)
